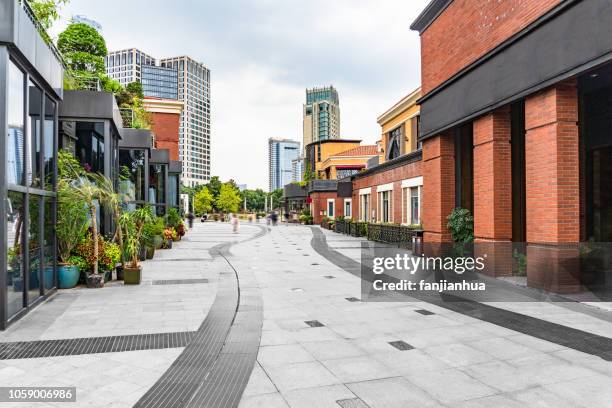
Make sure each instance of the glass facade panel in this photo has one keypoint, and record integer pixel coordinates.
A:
(132, 175)
(35, 238)
(90, 145)
(15, 268)
(48, 244)
(15, 141)
(173, 190)
(49, 144)
(34, 135)
(157, 187)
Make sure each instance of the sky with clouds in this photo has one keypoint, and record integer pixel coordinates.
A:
(264, 53)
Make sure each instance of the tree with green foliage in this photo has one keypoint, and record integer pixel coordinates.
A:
(47, 13)
(277, 197)
(255, 199)
(214, 186)
(228, 200)
(203, 201)
(83, 48)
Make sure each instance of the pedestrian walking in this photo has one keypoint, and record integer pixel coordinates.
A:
(274, 218)
(190, 218)
(235, 222)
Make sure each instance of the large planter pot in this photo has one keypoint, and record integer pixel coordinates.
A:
(120, 274)
(95, 281)
(169, 244)
(48, 276)
(108, 276)
(142, 254)
(158, 241)
(68, 276)
(150, 252)
(132, 276)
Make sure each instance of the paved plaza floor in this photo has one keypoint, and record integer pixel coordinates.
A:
(272, 317)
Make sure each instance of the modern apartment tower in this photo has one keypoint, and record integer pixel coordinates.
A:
(194, 130)
(321, 116)
(281, 154)
(177, 78)
(125, 66)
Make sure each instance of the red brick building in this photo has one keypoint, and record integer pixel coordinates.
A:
(516, 124)
(165, 122)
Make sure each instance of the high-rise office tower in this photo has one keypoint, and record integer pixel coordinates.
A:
(297, 169)
(179, 78)
(194, 136)
(321, 115)
(281, 153)
(125, 66)
(79, 18)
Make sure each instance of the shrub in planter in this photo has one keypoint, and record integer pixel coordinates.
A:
(132, 224)
(170, 234)
(180, 230)
(461, 225)
(71, 229)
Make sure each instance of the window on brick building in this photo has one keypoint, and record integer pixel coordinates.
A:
(364, 207)
(385, 206)
(348, 213)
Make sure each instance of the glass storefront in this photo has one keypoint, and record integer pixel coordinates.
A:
(30, 200)
(157, 187)
(132, 176)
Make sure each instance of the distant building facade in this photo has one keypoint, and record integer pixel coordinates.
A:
(182, 79)
(281, 154)
(79, 18)
(297, 169)
(321, 115)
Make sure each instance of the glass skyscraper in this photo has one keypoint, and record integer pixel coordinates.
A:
(159, 82)
(281, 155)
(321, 115)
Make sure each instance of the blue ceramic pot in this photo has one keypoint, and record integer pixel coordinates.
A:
(68, 276)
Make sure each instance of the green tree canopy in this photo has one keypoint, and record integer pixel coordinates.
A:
(83, 49)
(277, 197)
(203, 201)
(255, 199)
(228, 199)
(46, 11)
(214, 185)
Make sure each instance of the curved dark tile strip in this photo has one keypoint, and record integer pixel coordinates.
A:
(214, 368)
(555, 333)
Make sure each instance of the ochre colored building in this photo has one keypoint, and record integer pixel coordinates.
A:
(391, 191)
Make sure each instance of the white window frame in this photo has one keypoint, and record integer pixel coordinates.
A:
(348, 201)
(365, 194)
(407, 185)
(380, 201)
(333, 207)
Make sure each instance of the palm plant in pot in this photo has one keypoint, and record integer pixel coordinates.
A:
(71, 227)
(133, 225)
(85, 190)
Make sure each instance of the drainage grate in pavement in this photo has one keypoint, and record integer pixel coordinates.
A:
(352, 403)
(424, 312)
(178, 281)
(314, 264)
(352, 299)
(314, 323)
(401, 345)
(329, 277)
(297, 290)
(93, 345)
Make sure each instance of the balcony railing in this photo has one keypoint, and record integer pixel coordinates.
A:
(43, 33)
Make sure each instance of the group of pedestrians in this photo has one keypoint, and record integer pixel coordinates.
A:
(271, 219)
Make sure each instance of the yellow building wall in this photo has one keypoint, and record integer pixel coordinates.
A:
(340, 161)
(391, 124)
(330, 149)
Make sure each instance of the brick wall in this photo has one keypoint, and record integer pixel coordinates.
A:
(394, 176)
(166, 129)
(467, 29)
(552, 165)
(319, 204)
(493, 176)
(438, 186)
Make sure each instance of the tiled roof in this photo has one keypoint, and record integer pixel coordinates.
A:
(367, 150)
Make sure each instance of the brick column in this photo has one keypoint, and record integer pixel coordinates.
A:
(438, 186)
(493, 190)
(553, 187)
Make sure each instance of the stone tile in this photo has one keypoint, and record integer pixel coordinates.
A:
(274, 400)
(270, 356)
(301, 375)
(501, 376)
(319, 397)
(394, 392)
(595, 391)
(450, 386)
(332, 349)
(259, 383)
(503, 348)
(354, 369)
(457, 354)
(539, 397)
(497, 401)
(409, 362)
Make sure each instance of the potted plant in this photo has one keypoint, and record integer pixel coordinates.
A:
(169, 235)
(110, 256)
(133, 225)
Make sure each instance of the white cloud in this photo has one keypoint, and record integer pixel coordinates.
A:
(264, 53)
